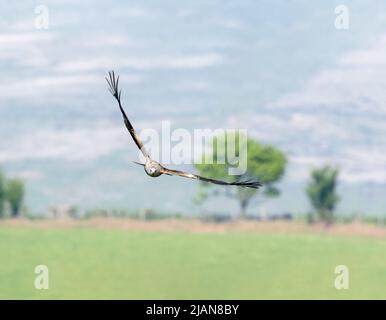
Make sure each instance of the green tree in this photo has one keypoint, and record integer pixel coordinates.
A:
(14, 192)
(2, 193)
(264, 162)
(321, 191)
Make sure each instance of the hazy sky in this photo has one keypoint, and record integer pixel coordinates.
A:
(277, 68)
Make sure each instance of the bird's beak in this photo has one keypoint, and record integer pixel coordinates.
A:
(141, 164)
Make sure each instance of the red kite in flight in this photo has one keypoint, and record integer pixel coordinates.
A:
(153, 168)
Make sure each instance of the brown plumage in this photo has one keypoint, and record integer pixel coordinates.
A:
(153, 168)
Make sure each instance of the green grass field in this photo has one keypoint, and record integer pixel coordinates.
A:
(94, 263)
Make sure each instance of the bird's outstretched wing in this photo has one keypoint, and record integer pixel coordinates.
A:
(113, 88)
(250, 183)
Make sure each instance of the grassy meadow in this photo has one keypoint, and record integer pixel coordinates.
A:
(134, 264)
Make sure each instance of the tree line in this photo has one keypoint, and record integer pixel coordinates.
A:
(264, 161)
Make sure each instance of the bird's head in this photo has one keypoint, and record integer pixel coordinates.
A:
(152, 170)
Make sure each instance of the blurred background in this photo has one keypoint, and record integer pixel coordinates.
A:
(307, 79)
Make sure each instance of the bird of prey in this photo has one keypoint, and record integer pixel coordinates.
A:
(153, 168)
